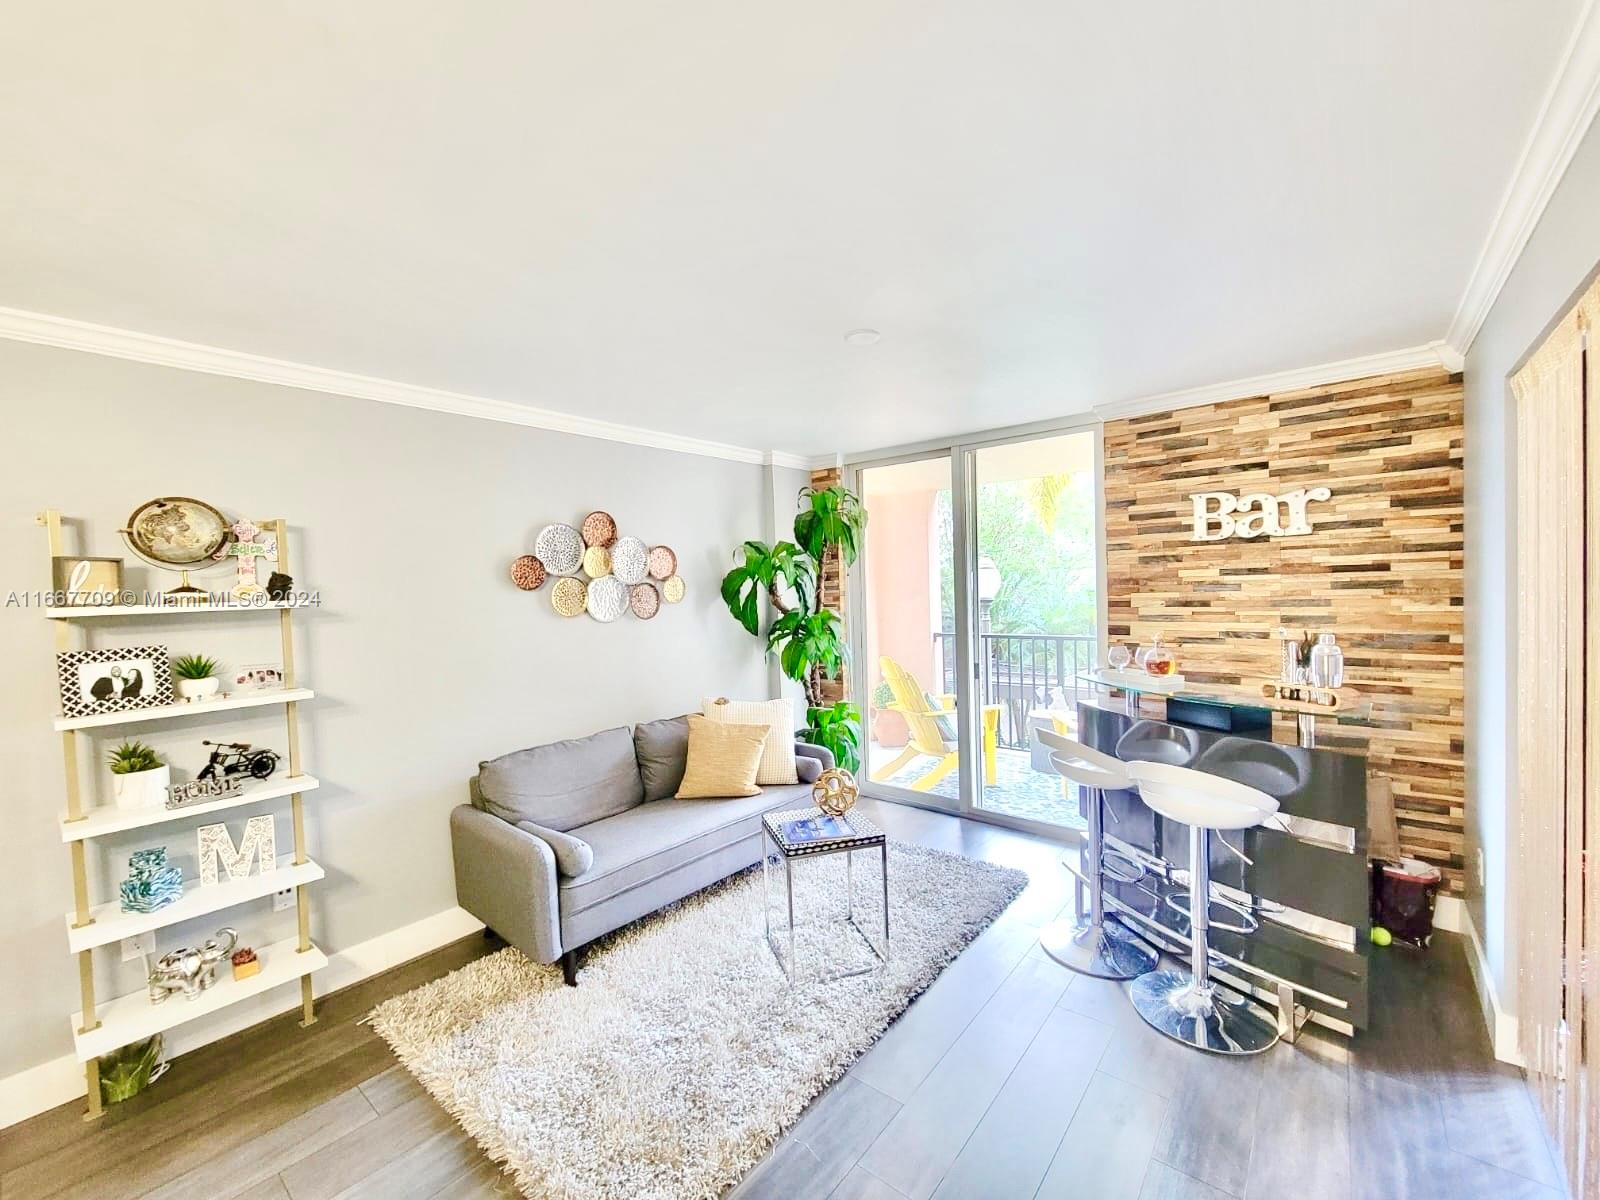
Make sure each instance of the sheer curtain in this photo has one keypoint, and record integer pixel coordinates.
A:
(1557, 396)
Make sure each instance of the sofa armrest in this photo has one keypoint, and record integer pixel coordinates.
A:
(821, 753)
(507, 879)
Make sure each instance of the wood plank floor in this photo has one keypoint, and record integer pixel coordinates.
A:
(1009, 1079)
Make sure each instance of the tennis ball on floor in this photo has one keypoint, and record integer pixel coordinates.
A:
(1381, 936)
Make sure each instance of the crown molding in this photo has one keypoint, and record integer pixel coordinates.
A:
(1433, 355)
(782, 458)
(1565, 116)
(45, 330)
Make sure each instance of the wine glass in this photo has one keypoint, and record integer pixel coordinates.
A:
(1118, 657)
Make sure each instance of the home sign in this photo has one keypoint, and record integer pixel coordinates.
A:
(1219, 515)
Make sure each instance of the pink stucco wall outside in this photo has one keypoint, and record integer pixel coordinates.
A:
(902, 585)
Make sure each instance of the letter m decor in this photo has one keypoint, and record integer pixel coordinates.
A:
(259, 843)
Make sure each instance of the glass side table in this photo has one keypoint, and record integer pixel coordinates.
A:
(780, 846)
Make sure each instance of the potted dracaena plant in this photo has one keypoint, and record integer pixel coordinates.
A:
(138, 776)
(807, 638)
(197, 676)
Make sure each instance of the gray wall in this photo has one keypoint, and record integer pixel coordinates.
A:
(425, 658)
(1563, 251)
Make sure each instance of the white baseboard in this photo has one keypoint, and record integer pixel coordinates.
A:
(1502, 1025)
(30, 1092)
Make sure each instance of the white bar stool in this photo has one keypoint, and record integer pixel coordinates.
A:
(1094, 944)
(1186, 1005)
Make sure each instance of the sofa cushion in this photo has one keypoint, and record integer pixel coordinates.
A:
(658, 837)
(565, 784)
(662, 747)
(808, 769)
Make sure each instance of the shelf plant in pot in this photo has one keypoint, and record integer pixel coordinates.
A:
(807, 638)
(197, 676)
(138, 776)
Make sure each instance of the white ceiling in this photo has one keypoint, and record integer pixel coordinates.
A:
(669, 215)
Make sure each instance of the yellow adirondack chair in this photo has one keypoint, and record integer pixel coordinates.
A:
(927, 739)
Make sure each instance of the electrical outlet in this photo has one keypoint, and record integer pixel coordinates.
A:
(142, 945)
(283, 899)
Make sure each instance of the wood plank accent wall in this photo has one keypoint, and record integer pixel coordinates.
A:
(832, 583)
(1382, 569)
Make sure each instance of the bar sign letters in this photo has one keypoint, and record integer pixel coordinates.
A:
(1219, 515)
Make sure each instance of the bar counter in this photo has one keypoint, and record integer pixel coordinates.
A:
(1306, 884)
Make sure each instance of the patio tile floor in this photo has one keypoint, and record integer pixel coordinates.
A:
(1019, 790)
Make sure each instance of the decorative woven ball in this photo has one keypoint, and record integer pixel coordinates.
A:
(835, 791)
(596, 562)
(630, 560)
(568, 596)
(599, 529)
(672, 589)
(663, 562)
(528, 573)
(560, 548)
(644, 600)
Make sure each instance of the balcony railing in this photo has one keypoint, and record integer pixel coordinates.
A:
(1022, 672)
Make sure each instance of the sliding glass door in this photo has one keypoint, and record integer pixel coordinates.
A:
(1034, 524)
(980, 597)
(905, 667)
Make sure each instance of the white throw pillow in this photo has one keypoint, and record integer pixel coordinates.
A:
(777, 756)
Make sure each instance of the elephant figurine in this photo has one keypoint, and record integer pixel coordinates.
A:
(191, 971)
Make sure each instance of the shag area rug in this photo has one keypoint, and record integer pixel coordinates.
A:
(683, 1053)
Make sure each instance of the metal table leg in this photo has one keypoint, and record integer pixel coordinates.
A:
(884, 850)
(788, 876)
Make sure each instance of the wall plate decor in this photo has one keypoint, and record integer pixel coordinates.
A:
(594, 570)
(663, 562)
(560, 549)
(568, 596)
(608, 598)
(644, 600)
(630, 560)
(599, 529)
(528, 573)
(79, 580)
(258, 845)
(104, 681)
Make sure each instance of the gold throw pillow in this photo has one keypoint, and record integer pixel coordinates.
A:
(722, 759)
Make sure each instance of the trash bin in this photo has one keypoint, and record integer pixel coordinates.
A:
(1403, 895)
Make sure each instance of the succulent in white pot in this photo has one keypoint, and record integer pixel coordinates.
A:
(197, 676)
(138, 776)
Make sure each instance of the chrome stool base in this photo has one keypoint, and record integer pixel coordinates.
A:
(1210, 1018)
(1105, 950)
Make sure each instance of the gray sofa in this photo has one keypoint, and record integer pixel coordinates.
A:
(565, 842)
